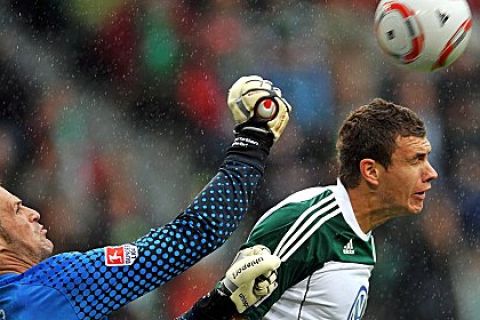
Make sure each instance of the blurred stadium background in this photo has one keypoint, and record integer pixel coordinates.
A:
(113, 117)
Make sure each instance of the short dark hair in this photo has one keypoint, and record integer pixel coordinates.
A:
(370, 132)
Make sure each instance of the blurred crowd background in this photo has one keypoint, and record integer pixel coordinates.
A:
(113, 116)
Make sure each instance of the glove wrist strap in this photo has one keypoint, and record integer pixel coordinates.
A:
(213, 306)
(252, 147)
(227, 287)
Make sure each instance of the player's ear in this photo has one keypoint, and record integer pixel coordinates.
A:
(370, 171)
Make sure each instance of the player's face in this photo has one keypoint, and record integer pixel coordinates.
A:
(408, 178)
(25, 236)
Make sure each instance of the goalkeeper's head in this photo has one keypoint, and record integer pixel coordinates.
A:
(23, 240)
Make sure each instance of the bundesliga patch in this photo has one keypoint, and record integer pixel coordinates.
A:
(123, 255)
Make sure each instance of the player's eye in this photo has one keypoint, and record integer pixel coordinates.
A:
(414, 160)
(419, 158)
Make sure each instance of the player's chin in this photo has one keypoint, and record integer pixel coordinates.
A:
(415, 207)
(43, 251)
(47, 248)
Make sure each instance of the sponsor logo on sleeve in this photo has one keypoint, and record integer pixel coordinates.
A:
(123, 255)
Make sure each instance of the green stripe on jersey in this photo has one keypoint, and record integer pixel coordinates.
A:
(331, 239)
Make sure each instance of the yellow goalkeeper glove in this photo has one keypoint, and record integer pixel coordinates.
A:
(251, 277)
(257, 105)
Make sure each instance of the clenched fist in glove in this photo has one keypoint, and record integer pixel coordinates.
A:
(257, 105)
(251, 277)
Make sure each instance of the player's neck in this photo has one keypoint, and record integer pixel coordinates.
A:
(369, 209)
(11, 262)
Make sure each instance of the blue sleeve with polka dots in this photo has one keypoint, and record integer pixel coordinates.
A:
(91, 285)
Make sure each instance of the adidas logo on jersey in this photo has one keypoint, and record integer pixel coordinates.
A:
(348, 248)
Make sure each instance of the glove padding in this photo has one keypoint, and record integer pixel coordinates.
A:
(251, 277)
(258, 106)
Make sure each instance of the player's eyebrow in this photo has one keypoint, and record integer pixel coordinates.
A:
(17, 203)
(421, 155)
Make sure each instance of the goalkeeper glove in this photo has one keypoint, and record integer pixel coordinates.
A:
(251, 276)
(258, 106)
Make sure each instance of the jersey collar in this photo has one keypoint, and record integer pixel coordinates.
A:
(345, 205)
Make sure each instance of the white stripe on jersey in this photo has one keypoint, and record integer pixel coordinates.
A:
(295, 235)
(299, 196)
(309, 233)
(281, 245)
(374, 251)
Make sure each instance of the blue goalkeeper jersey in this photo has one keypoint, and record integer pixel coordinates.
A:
(93, 284)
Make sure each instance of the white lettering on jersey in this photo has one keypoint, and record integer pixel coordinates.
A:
(3, 315)
(359, 305)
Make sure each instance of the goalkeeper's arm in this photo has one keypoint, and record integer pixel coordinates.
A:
(128, 271)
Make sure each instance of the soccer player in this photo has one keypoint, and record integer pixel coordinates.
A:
(92, 284)
(323, 234)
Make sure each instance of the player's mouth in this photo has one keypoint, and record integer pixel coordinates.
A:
(421, 194)
(43, 230)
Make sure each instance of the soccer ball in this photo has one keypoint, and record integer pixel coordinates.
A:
(423, 35)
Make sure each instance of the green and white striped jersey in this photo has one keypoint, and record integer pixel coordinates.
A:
(326, 258)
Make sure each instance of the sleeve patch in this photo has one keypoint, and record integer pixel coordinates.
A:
(123, 255)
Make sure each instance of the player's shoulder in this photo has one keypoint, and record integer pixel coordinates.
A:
(313, 193)
(23, 299)
(298, 202)
(287, 211)
(47, 271)
(59, 266)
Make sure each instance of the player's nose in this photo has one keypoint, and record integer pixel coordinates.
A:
(33, 215)
(430, 173)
